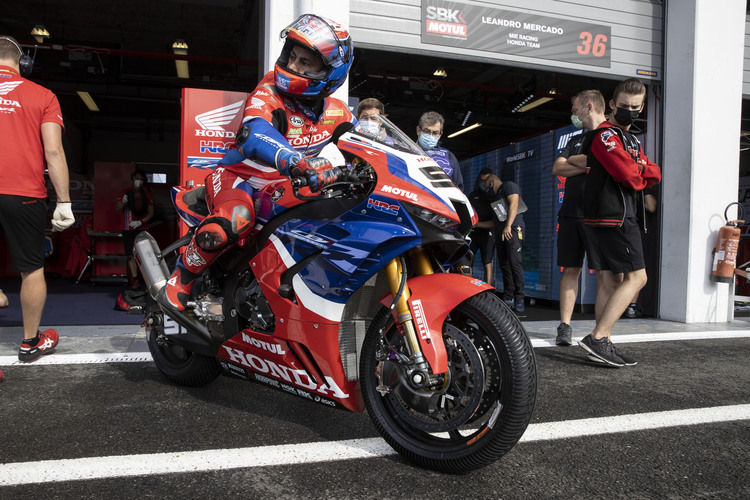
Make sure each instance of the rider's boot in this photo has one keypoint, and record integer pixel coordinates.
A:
(190, 266)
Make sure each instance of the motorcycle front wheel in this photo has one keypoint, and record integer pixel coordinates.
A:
(477, 411)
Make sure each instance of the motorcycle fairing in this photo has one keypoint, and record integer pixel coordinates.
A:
(432, 298)
(293, 366)
(340, 255)
(416, 179)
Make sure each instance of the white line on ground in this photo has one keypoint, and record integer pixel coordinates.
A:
(14, 474)
(657, 337)
(80, 359)
(135, 357)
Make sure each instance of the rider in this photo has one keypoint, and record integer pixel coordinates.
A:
(288, 119)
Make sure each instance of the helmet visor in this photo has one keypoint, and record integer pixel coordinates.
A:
(315, 33)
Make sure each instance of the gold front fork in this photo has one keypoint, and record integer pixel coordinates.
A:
(394, 271)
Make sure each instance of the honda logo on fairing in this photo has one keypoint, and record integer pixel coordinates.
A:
(298, 377)
(212, 122)
(399, 192)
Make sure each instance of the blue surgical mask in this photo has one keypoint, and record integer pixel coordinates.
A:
(577, 123)
(427, 141)
(370, 126)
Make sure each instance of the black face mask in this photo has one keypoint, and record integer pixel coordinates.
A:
(626, 117)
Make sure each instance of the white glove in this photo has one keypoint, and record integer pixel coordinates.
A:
(135, 224)
(63, 217)
(125, 198)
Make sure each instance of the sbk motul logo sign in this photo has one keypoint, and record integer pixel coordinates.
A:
(446, 22)
(212, 122)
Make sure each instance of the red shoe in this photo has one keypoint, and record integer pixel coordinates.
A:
(46, 345)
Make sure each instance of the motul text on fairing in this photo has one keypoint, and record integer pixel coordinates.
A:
(345, 299)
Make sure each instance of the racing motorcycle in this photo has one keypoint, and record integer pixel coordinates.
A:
(346, 298)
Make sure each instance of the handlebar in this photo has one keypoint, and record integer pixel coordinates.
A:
(350, 177)
(299, 182)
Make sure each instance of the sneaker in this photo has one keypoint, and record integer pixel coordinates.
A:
(45, 345)
(601, 349)
(629, 361)
(519, 305)
(564, 334)
(631, 312)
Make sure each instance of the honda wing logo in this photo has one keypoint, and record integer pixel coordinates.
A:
(6, 87)
(212, 122)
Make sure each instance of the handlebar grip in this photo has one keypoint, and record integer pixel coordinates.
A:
(299, 182)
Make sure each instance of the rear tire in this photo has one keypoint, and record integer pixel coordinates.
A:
(485, 404)
(181, 366)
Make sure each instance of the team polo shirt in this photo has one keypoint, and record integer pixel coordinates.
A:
(24, 106)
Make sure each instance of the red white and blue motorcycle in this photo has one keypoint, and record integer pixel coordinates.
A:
(346, 298)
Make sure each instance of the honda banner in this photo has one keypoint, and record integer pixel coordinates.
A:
(210, 121)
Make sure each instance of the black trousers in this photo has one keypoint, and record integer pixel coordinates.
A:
(510, 259)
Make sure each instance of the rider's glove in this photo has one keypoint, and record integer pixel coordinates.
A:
(135, 224)
(318, 172)
(63, 217)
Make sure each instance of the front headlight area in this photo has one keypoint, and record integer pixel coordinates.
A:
(440, 221)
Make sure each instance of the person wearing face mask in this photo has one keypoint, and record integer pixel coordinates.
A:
(618, 172)
(368, 108)
(429, 131)
(138, 208)
(587, 111)
(367, 111)
(509, 234)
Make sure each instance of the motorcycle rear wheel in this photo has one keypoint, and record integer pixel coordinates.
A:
(481, 412)
(178, 364)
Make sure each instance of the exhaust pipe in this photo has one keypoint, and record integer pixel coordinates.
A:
(150, 262)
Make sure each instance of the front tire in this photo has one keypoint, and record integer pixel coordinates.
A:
(485, 401)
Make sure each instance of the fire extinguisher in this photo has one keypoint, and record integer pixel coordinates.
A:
(725, 255)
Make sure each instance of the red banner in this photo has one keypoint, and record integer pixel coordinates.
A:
(210, 121)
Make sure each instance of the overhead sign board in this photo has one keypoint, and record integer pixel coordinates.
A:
(465, 26)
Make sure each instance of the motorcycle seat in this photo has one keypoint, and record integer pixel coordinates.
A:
(195, 199)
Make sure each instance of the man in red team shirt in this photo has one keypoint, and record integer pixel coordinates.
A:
(289, 117)
(30, 134)
(618, 173)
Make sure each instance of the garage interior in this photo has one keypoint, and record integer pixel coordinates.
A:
(124, 58)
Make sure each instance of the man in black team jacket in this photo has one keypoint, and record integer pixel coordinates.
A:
(618, 172)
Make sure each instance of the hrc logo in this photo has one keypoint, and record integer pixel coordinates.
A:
(383, 206)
